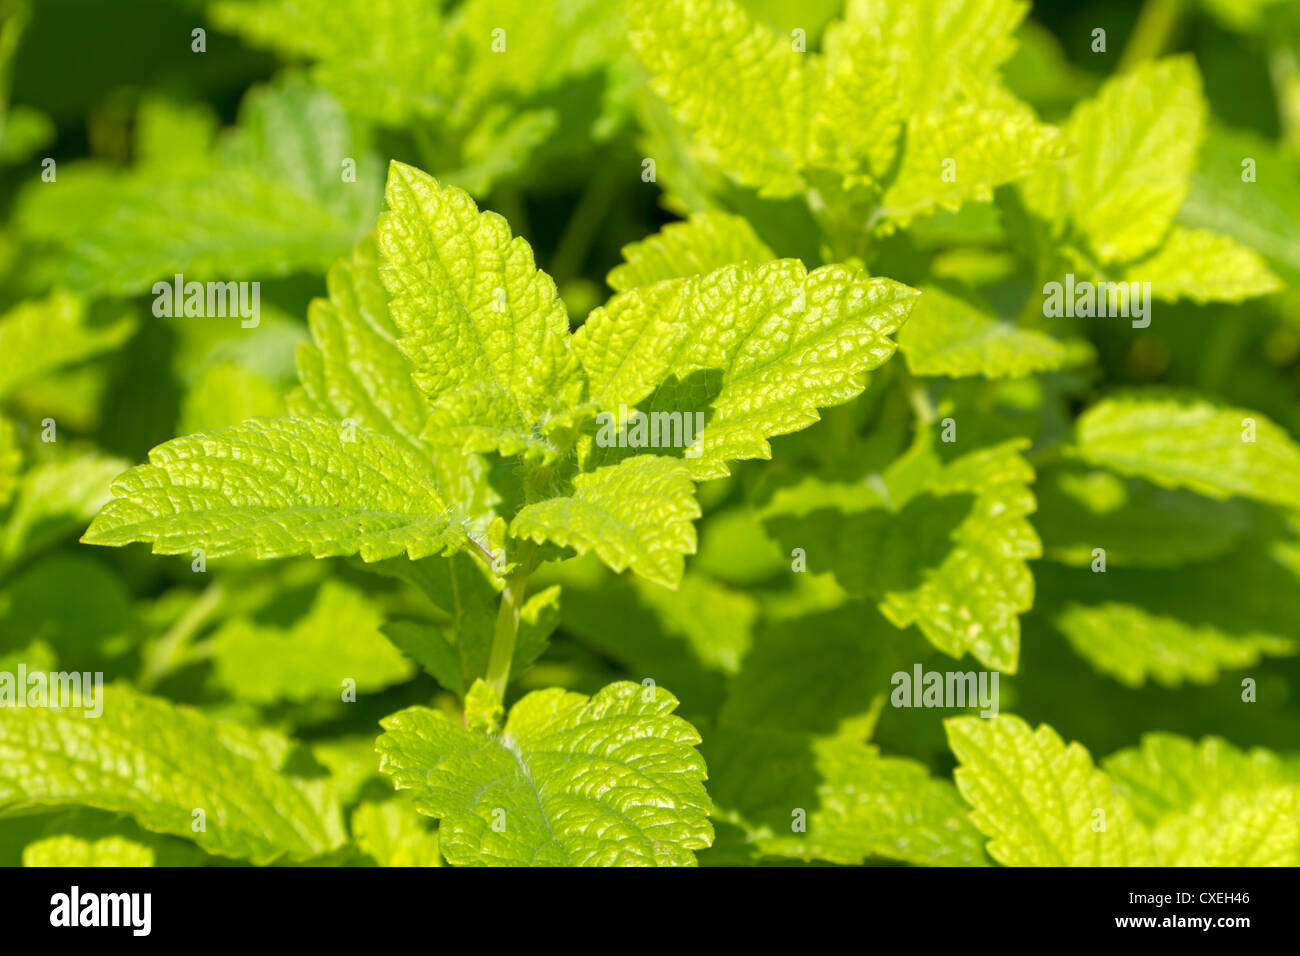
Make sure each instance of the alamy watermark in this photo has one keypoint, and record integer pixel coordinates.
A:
(953, 689)
(1085, 300)
(213, 300)
(134, 911)
(651, 430)
(64, 689)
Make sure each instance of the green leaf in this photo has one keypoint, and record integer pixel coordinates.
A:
(1139, 524)
(226, 394)
(158, 763)
(1132, 644)
(779, 341)
(1261, 828)
(953, 157)
(1167, 774)
(77, 851)
(481, 103)
(609, 780)
(271, 200)
(946, 335)
(689, 638)
(1134, 150)
(635, 514)
(851, 803)
(824, 674)
(54, 498)
(942, 546)
(940, 52)
(1203, 266)
(739, 87)
(40, 336)
(355, 370)
(1263, 213)
(1210, 803)
(706, 242)
(393, 834)
(338, 640)
(1037, 799)
(281, 487)
(382, 59)
(1193, 444)
(484, 330)
(22, 133)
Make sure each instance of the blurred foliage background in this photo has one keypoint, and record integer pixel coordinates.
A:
(217, 164)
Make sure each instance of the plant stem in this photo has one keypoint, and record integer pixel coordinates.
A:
(162, 658)
(1151, 33)
(507, 627)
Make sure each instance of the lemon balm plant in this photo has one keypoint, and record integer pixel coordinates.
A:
(817, 540)
(493, 369)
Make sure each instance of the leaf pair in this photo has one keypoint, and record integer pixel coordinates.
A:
(494, 368)
(904, 107)
(1112, 203)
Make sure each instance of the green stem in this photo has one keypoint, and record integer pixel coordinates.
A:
(164, 656)
(1151, 33)
(507, 628)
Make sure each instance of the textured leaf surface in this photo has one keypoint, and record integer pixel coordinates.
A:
(158, 763)
(856, 804)
(1193, 444)
(942, 52)
(1134, 150)
(281, 487)
(739, 87)
(704, 243)
(953, 157)
(768, 345)
(1034, 797)
(946, 335)
(355, 370)
(1131, 645)
(485, 331)
(612, 779)
(635, 514)
(393, 834)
